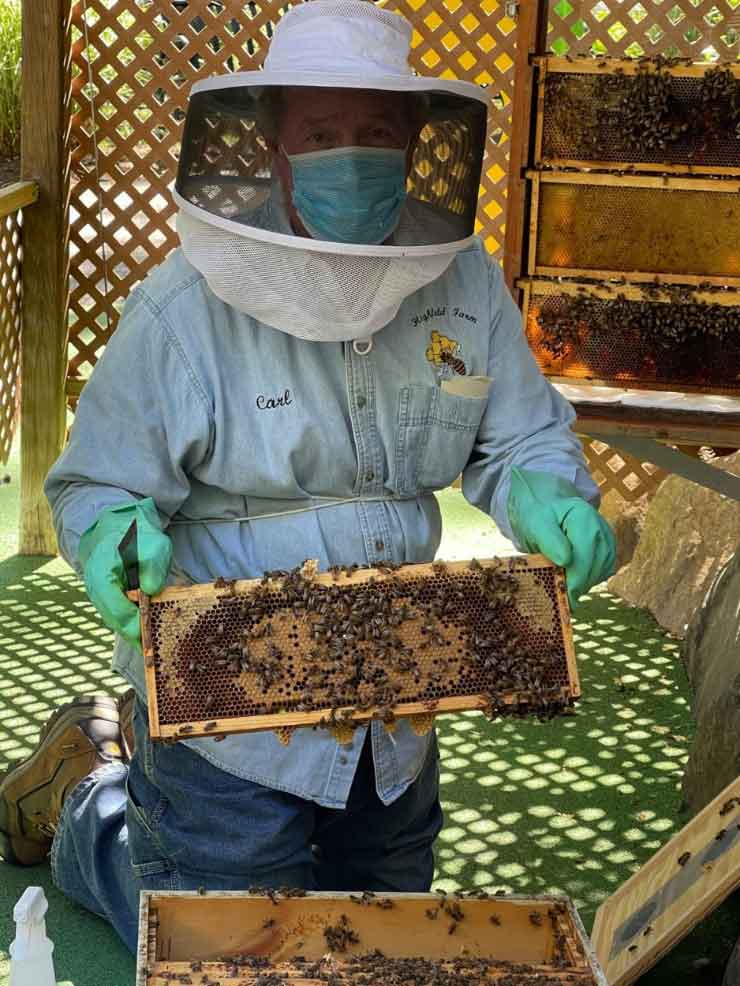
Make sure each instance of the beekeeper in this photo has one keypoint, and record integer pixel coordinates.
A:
(330, 345)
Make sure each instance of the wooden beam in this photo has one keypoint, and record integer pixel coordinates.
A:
(44, 351)
(531, 40)
(16, 196)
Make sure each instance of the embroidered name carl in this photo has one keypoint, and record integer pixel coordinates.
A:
(269, 403)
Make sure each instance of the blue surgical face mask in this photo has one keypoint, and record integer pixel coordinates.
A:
(349, 194)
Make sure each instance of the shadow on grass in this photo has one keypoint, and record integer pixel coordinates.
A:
(52, 646)
(572, 806)
(578, 804)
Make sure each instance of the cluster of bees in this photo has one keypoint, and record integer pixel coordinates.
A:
(672, 334)
(356, 651)
(647, 113)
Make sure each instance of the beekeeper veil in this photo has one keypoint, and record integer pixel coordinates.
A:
(320, 192)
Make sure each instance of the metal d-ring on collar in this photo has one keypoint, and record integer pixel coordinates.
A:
(362, 346)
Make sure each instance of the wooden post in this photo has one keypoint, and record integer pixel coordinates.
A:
(531, 40)
(44, 345)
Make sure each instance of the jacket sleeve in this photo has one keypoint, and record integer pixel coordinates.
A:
(527, 423)
(142, 424)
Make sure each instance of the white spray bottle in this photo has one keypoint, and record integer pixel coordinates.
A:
(31, 963)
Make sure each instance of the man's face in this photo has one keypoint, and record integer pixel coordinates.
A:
(318, 119)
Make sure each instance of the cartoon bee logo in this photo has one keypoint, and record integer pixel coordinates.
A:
(443, 352)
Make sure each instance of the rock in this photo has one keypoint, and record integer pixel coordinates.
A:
(711, 653)
(688, 535)
(626, 520)
(732, 970)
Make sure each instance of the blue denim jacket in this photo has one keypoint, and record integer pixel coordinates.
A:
(219, 418)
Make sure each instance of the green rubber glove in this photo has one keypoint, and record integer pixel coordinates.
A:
(548, 515)
(104, 568)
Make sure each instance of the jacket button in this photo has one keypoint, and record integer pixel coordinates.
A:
(343, 761)
(361, 400)
(379, 544)
(369, 476)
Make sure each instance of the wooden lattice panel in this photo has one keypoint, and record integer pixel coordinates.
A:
(698, 29)
(268, 938)
(334, 649)
(613, 469)
(132, 65)
(10, 327)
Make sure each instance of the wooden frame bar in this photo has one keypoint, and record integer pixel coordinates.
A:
(633, 292)
(44, 355)
(531, 39)
(16, 196)
(604, 421)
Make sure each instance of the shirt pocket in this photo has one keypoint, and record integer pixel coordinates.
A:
(436, 435)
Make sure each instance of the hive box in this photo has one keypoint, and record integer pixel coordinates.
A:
(243, 938)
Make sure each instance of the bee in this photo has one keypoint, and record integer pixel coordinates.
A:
(495, 919)
(457, 364)
(228, 584)
(432, 913)
(210, 726)
(683, 858)
(386, 904)
(452, 928)
(453, 909)
(535, 918)
(185, 730)
(474, 565)
(269, 923)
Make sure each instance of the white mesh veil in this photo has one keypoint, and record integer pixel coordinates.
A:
(233, 223)
(307, 293)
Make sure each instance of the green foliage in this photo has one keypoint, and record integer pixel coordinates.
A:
(10, 77)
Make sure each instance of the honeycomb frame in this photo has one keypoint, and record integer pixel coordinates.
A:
(626, 358)
(580, 118)
(604, 226)
(258, 936)
(437, 619)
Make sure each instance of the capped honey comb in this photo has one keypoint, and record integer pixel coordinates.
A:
(338, 648)
(643, 227)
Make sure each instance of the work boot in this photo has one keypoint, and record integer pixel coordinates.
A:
(126, 718)
(79, 737)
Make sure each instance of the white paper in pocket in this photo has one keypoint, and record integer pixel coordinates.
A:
(467, 386)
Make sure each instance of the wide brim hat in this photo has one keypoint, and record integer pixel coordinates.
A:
(224, 176)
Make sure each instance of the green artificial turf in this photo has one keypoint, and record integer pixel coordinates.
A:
(573, 806)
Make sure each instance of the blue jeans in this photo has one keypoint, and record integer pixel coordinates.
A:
(171, 821)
